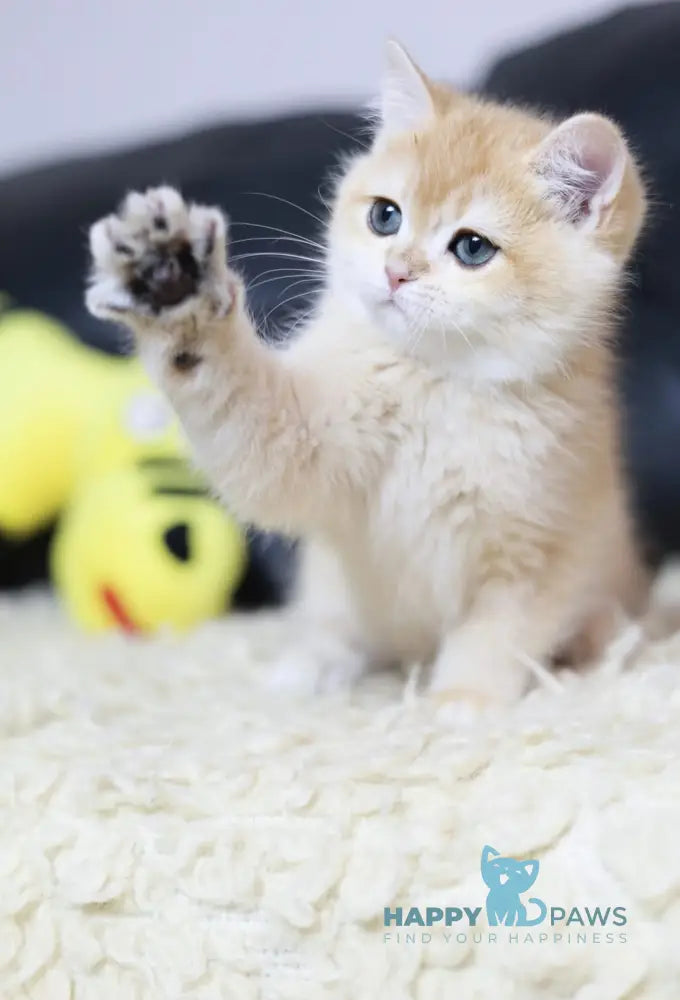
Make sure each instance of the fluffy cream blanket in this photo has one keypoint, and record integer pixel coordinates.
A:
(170, 830)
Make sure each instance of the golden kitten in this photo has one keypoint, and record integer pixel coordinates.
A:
(444, 429)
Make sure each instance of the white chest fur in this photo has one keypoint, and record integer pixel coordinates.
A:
(466, 466)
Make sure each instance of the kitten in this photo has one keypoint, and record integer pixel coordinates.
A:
(444, 429)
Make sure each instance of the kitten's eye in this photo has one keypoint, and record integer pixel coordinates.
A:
(384, 217)
(471, 249)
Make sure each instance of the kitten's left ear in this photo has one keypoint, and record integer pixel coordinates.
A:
(582, 163)
(405, 100)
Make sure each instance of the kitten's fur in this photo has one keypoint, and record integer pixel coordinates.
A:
(451, 450)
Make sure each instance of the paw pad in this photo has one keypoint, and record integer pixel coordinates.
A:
(160, 257)
(167, 276)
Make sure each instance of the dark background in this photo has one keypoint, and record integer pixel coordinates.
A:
(626, 66)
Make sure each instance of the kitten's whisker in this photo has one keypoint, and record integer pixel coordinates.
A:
(442, 334)
(276, 197)
(286, 269)
(462, 333)
(274, 253)
(303, 318)
(416, 338)
(272, 240)
(326, 204)
(412, 339)
(283, 272)
(347, 135)
(310, 291)
(310, 279)
(421, 331)
(277, 229)
(279, 305)
(281, 277)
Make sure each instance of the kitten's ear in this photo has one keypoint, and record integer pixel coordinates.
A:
(488, 853)
(405, 100)
(531, 868)
(582, 163)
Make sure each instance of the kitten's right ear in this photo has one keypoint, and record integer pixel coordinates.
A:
(405, 100)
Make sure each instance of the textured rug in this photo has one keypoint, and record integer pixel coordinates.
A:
(170, 830)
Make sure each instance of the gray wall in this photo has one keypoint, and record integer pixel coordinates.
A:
(84, 74)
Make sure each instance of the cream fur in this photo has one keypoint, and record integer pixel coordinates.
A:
(451, 449)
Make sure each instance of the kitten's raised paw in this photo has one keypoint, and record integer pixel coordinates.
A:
(159, 258)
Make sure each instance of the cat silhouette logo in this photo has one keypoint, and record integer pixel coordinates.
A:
(507, 879)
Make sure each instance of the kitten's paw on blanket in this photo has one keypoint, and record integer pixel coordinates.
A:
(326, 665)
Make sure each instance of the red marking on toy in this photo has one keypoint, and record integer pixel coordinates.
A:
(115, 606)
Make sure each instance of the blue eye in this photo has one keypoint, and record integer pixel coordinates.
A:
(384, 217)
(471, 249)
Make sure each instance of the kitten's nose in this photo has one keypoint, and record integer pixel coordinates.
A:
(397, 274)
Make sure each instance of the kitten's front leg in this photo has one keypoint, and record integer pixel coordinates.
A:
(484, 660)
(159, 267)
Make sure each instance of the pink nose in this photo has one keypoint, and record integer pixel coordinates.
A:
(397, 274)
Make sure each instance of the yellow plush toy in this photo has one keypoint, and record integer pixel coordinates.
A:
(84, 437)
(145, 545)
